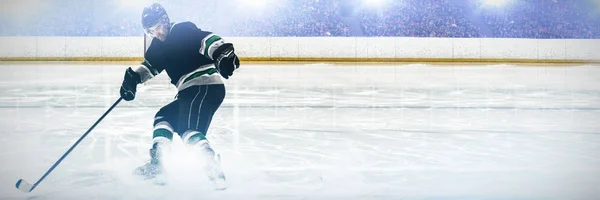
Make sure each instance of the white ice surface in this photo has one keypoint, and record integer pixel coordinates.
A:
(315, 131)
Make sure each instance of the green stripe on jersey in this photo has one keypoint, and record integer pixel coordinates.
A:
(200, 73)
(209, 42)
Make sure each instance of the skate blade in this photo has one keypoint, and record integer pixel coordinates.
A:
(220, 185)
(160, 180)
(157, 179)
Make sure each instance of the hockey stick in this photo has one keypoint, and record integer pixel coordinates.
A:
(27, 187)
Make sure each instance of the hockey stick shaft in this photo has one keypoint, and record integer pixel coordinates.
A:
(72, 147)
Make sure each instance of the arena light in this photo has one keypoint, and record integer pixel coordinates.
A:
(256, 8)
(373, 3)
(134, 4)
(496, 3)
(256, 4)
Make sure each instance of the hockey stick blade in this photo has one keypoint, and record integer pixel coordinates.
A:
(27, 187)
(24, 186)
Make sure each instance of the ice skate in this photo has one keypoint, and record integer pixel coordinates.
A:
(212, 165)
(215, 173)
(153, 168)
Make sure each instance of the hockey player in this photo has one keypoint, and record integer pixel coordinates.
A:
(195, 61)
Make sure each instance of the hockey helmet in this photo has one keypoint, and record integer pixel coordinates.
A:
(152, 15)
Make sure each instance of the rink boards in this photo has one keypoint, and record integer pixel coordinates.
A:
(343, 49)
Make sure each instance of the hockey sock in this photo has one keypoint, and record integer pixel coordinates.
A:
(163, 133)
(193, 137)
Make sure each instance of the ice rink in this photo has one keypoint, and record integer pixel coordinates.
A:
(315, 131)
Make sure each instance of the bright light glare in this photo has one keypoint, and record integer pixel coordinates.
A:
(373, 3)
(495, 2)
(134, 4)
(255, 3)
(22, 9)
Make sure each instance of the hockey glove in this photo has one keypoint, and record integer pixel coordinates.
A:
(129, 86)
(225, 60)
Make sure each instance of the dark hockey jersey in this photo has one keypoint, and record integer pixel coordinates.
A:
(186, 56)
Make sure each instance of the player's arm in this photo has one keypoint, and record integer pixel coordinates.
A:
(223, 54)
(148, 69)
(135, 76)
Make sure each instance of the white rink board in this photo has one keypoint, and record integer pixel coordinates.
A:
(582, 49)
(121, 47)
(324, 47)
(508, 48)
(84, 47)
(551, 49)
(259, 47)
(20, 47)
(423, 48)
(321, 48)
(466, 48)
(47, 46)
(283, 47)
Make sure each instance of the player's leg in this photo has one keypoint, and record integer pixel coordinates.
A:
(164, 122)
(196, 117)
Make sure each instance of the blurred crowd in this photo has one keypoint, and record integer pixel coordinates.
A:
(291, 18)
(305, 18)
(544, 19)
(418, 18)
